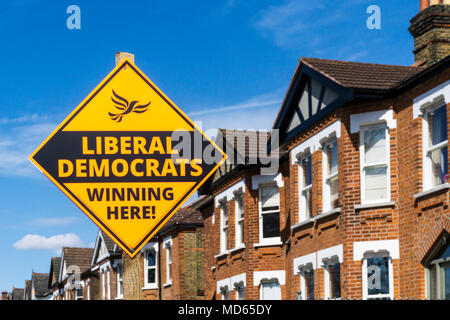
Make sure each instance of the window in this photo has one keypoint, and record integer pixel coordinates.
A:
(224, 226)
(308, 276)
(306, 283)
(150, 267)
(103, 285)
(168, 264)
(333, 280)
(436, 157)
(269, 213)
(374, 148)
(225, 293)
(79, 293)
(438, 273)
(119, 281)
(377, 277)
(239, 213)
(240, 292)
(270, 290)
(305, 186)
(330, 174)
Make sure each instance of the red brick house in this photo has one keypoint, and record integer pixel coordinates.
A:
(104, 279)
(74, 262)
(359, 206)
(244, 252)
(170, 266)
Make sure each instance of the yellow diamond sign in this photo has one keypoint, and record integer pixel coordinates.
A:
(128, 157)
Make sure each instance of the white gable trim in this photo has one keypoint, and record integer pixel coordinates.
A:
(436, 94)
(228, 193)
(99, 241)
(314, 143)
(363, 247)
(257, 180)
(259, 276)
(366, 118)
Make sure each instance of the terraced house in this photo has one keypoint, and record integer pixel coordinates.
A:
(359, 206)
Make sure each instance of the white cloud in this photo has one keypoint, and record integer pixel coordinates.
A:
(19, 137)
(257, 113)
(314, 27)
(55, 222)
(37, 242)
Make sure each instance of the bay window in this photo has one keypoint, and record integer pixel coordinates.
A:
(435, 144)
(330, 174)
(438, 272)
(375, 176)
(269, 208)
(305, 187)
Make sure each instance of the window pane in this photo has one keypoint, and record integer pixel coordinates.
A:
(335, 280)
(378, 275)
(375, 145)
(376, 183)
(439, 164)
(270, 197)
(151, 275)
(151, 258)
(224, 208)
(240, 206)
(309, 281)
(306, 168)
(241, 231)
(271, 291)
(271, 225)
(334, 192)
(307, 200)
(447, 283)
(437, 125)
(332, 158)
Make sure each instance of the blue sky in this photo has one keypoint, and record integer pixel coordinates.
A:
(214, 59)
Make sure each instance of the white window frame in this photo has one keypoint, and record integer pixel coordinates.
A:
(265, 281)
(119, 280)
(108, 272)
(387, 162)
(224, 226)
(365, 292)
(103, 284)
(272, 240)
(302, 216)
(327, 277)
(239, 218)
(427, 163)
(149, 247)
(302, 271)
(326, 178)
(168, 246)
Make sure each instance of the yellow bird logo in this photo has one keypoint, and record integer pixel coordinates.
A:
(123, 105)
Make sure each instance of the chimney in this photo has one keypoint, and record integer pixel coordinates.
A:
(4, 295)
(431, 31)
(122, 55)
